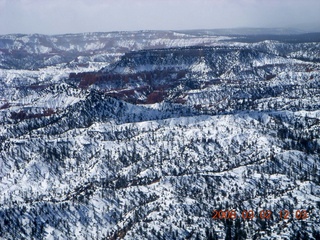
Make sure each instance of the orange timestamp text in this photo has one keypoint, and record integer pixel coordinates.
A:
(263, 214)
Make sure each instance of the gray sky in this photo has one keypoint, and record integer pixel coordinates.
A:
(72, 16)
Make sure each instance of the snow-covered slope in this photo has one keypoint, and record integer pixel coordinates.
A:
(147, 144)
(34, 51)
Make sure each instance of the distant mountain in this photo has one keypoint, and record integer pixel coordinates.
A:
(248, 31)
(160, 135)
(34, 51)
(19, 51)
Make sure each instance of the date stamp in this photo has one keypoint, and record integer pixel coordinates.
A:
(263, 214)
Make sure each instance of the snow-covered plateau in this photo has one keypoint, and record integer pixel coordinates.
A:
(149, 134)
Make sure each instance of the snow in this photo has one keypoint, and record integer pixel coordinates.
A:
(91, 169)
(201, 67)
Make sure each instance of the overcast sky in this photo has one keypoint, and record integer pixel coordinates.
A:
(73, 16)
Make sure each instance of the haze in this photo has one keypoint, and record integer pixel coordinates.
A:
(73, 16)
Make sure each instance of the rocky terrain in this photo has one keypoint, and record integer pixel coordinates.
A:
(146, 135)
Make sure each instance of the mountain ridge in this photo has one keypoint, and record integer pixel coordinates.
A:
(151, 140)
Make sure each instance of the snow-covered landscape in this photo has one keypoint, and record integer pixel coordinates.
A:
(143, 135)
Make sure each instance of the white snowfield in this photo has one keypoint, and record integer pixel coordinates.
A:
(239, 130)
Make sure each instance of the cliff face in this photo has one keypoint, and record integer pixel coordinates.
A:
(147, 144)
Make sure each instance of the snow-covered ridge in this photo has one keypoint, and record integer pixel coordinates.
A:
(150, 76)
(18, 51)
(33, 51)
(146, 144)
